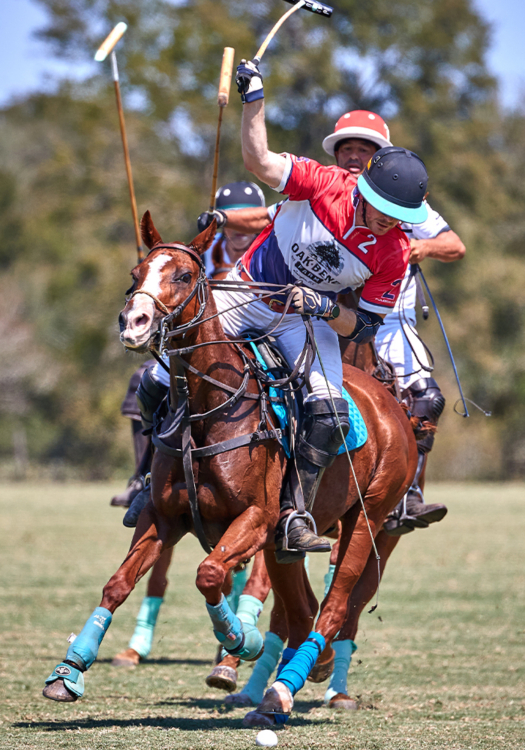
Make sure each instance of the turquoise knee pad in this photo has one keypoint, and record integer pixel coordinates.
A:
(294, 674)
(142, 639)
(84, 649)
(237, 633)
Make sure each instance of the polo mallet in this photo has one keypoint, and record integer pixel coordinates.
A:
(223, 96)
(311, 5)
(105, 49)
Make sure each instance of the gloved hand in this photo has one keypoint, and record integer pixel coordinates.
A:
(206, 218)
(249, 81)
(307, 302)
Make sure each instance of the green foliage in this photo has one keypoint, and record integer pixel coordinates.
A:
(68, 239)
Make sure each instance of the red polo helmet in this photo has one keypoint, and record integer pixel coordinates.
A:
(358, 124)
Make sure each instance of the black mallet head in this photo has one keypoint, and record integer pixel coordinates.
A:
(316, 7)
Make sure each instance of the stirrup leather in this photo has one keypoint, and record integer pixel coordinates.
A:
(297, 514)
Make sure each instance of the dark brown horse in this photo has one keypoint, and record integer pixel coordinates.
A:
(238, 490)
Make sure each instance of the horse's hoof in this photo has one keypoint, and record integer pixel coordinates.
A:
(343, 702)
(238, 699)
(256, 719)
(57, 691)
(321, 672)
(127, 658)
(277, 700)
(222, 678)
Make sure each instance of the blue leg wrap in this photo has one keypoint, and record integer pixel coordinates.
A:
(263, 668)
(238, 634)
(294, 674)
(343, 657)
(142, 639)
(73, 678)
(288, 655)
(238, 583)
(84, 649)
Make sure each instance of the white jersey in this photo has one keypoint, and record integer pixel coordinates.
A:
(433, 225)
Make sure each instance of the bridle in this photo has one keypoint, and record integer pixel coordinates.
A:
(200, 289)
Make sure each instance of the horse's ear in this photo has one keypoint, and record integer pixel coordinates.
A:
(203, 240)
(149, 232)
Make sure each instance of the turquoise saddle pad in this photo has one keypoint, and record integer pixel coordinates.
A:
(357, 435)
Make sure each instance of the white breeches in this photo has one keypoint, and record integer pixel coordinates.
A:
(290, 336)
(398, 343)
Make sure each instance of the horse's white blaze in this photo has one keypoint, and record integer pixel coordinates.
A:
(153, 277)
(142, 312)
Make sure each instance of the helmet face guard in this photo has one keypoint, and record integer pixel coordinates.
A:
(395, 183)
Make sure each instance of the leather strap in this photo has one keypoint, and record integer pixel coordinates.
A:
(273, 304)
(213, 450)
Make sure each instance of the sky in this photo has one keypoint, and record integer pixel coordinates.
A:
(27, 66)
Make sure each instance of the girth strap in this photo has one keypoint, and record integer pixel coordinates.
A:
(213, 450)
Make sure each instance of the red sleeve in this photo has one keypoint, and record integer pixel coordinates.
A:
(381, 290)
(305, 179)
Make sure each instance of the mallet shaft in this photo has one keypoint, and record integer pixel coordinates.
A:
(222, 100)
(273, 32)
(127, 161)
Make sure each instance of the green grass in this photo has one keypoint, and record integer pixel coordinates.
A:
(440, 663)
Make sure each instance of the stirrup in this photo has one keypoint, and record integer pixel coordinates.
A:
(297, 514)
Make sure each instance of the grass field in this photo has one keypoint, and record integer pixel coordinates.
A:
(440, 663)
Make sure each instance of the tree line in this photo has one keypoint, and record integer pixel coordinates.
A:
(68, 244)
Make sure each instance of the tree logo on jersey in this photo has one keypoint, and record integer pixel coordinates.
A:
(320, 262)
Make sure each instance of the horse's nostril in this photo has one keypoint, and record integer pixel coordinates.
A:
(121, 322)
(142, 320)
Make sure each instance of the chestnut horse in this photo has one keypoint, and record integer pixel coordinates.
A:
(238, 490)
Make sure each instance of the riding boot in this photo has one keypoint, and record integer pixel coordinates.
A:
(317, 445)
(142, 450)
(425, 401)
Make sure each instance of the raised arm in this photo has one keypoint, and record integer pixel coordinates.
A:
(258, 159)
(446, 247)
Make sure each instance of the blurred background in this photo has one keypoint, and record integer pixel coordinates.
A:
(447, 75)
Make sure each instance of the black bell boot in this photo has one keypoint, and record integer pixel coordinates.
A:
(412, 512)
(317, 445)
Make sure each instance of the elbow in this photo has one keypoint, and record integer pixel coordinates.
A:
(460, 250)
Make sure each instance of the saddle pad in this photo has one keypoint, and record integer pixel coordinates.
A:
(357, 435)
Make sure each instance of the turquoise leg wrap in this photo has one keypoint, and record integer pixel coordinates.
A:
(262, 671)
(238, 583)
(248, 611)
(84, 649)
(343, 657)
(238, 633)
(294, 674)
(142, 639)
(73, 678)
(329, 577)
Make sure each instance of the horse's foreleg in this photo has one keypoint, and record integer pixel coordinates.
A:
(66, 683)
(344, 646)
(237, 632)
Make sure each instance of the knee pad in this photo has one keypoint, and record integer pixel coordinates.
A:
(320, 436)
(425, 400)
(150, 395)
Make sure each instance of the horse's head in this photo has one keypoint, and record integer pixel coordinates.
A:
(164, 281)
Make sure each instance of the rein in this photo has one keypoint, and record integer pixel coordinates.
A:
(179, 417)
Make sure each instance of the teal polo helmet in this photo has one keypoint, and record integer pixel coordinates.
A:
(395, 183)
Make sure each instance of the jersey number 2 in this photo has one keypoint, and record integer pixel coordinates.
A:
(364, 245)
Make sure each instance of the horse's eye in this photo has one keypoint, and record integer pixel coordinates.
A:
(186, 278)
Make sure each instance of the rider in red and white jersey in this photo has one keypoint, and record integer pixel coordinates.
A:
(330, 235)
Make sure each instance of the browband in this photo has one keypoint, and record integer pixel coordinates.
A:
(176, 246)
